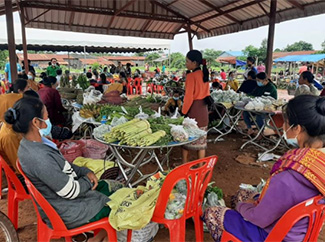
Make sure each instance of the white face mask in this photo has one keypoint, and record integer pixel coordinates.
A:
(293, 141)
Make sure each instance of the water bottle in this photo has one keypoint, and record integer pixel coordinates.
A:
(104, 119)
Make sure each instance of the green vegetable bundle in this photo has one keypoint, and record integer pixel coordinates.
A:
(151, 138)
(133, 140)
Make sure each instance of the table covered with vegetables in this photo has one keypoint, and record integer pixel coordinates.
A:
(136, 141)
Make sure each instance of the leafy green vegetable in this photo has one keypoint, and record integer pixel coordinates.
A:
(214, 189)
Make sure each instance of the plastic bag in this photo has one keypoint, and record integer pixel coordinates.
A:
(175, 206)
(195, 133)
(176, 115)
(93, 96)
(101, 130)
(145, 234)
(141, 114)
(178, 132)
(157, 114)
(117, 121)
(190, 123)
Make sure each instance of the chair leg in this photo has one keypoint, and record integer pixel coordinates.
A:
(13, 209)
(0, 182)
(129, 238)
(177, 231)
(198, 228)
(68, 239)
(111, 233)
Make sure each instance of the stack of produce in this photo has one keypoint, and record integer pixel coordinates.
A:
(229, 96)
(90, 111)
(134, 133)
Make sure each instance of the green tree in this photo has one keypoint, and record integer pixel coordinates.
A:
(152, 56)
(277, 50)
(3, 58)
(251, 51)
(211, 55)
(139, 54)
(95, 66)
(299, 46)
(262, 51)
(177, 60)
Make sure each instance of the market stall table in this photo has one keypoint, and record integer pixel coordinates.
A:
(268, 122)
(229, 118)
(129, 169)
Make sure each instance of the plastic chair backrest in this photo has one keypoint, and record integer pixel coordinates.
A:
(197, 179)
(50, 212)
(13, 182)
(311, 209)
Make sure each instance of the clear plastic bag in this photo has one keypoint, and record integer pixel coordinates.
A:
(117, 121)
(141, 114)
(175, 206)
(190, 123)
(93, 96)
(176, 115)
(157, 114)
(178, 132)
(101, 130)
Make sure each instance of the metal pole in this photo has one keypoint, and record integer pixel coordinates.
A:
(11, 40)
(23, 35)
(69, 59)
(189, 33)
(270, 39)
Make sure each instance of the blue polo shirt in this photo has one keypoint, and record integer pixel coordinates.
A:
(7, 70)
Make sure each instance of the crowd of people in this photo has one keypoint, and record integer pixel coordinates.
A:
(33, 111)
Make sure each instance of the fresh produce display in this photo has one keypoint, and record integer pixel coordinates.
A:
(90, 111)
(229, 96)
(263, 104)
(83, 81)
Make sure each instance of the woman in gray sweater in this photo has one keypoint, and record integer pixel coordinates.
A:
(68, 188)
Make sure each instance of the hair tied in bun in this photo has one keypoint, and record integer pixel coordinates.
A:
(14, 113)
(320, 106)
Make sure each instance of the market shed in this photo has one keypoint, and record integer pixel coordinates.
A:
(302, 58)
(157, 18)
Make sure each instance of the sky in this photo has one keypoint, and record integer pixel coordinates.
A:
(310, 29)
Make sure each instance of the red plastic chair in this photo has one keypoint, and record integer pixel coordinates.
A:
(197, 180)
(310, 209)
(16, 192)
(44, 233)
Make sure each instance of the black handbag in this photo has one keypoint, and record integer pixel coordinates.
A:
(208, 100)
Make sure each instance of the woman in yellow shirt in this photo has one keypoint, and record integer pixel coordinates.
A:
(232, 83)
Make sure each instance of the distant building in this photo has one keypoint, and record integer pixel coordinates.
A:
(231, 54)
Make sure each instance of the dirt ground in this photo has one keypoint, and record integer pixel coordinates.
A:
(228, 175)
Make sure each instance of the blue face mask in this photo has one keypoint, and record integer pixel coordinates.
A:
(175, 98)
(260, 84)
(293, 141)
(47, 130)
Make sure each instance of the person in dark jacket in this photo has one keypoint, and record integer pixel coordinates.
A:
(52, 100)
(248, 85)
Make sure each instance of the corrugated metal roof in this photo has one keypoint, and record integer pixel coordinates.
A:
(302, 58)
(160, 18)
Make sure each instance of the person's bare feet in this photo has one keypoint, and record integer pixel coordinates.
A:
(250, 131)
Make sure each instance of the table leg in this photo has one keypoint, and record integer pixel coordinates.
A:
(232, 126)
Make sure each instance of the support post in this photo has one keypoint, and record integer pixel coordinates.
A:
(23, 35)
(69, 59)
(11, 40)
(270, 39)
(190, 41)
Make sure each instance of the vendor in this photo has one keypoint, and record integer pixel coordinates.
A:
(52, 100)
(71, 190)
(31, 81)
(9, 140)
(265, 87)
(196, 90)
(250, 66)
(173, 103)
(295, 177)
(306, 79)
(249, 84)
(232, 83)
(216, 86)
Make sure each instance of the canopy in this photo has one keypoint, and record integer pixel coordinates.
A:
(159, 18)
(91, 46)
(301, 58)
(240, 63)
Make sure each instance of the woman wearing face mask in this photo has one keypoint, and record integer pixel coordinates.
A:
(297, 176)
(195, 106)
(232, 83)
(265, 87)
(52, 100)
(31, 81)
(68, 188)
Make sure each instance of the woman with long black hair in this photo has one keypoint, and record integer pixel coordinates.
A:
(196, 91)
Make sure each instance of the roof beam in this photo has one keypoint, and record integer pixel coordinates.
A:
(296, 4)
(264, 10)
(180, 15)
(171, 3)
(72, 14)
(80, 27)
(230, 10)
(147, 24)
(107, 12)
(41, 14)
(219, 11)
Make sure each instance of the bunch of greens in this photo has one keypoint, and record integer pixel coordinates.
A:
(214, 189)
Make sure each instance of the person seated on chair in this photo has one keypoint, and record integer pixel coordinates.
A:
(249, 84)
(215, 86)
(74, 192)
(265, 87)
(306, 79)
(173, 103)
(232, 82)
(9, 140)
(295, 177)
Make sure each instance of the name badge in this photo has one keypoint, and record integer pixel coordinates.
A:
(267, 93)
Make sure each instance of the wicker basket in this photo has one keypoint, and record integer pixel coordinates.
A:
(66, 95)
